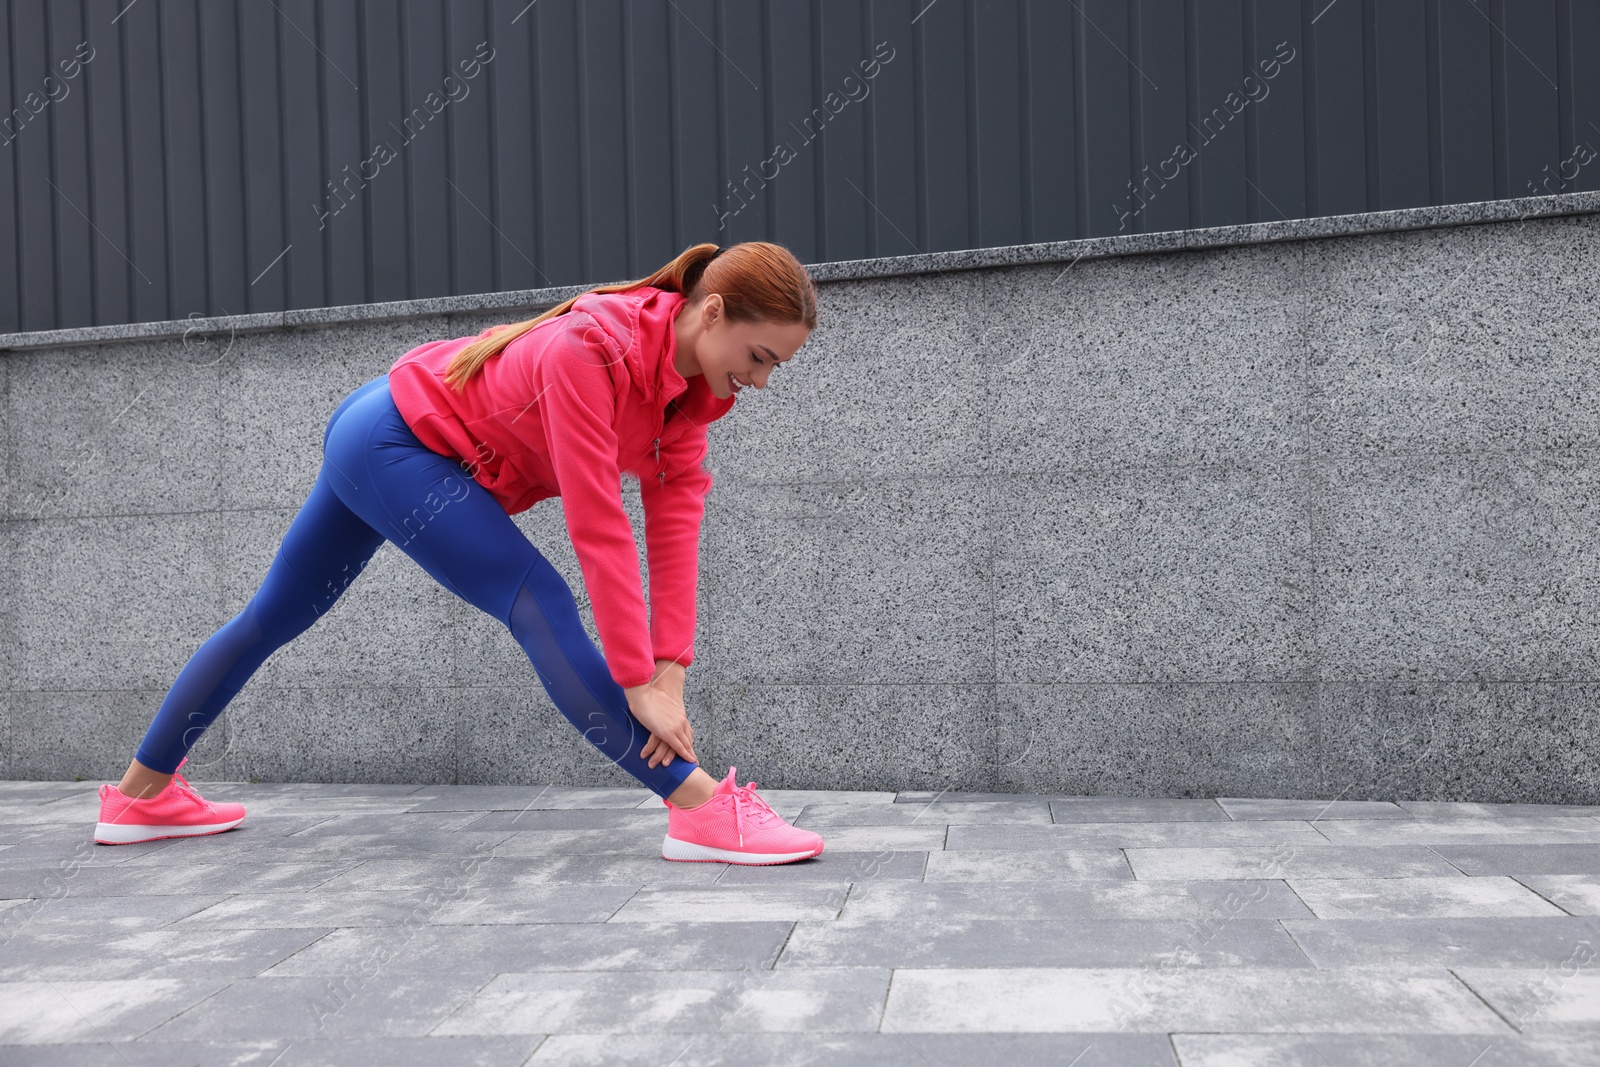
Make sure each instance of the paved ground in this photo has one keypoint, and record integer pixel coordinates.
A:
(485, 925)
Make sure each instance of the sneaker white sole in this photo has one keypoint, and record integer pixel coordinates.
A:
(673, 849)
(116, 833)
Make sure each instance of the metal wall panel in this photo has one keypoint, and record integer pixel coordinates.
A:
(258, 155)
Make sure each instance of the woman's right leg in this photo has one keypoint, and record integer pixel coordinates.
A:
(324, 549)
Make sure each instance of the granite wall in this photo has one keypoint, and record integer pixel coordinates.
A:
(1300, 510)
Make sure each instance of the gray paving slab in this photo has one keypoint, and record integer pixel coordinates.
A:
(354, 1005)
(1199, 833)
(1432, 943)
(227, 847)
(390, 823)
(524, 797)
(894, 1048)
(630, 819)
(283, 822)
(350, 924)
(1420, 898)
(15, 816)
(1511, 830)
(45, 792)
(914, 837)
(1543, 1000)
(1382, 1050)
(1031, 943)
(525, 873)
(1198, 902)
(99, 1010)
(1575, 894)
(57, 954)
(21, 830)
(289, 805)
(1135, 809)
(956, 796)
(508, 1050)
(1323, 861)
(175, 878)
(1530, 858)
(814, 1000)
(140, 912)
(66, 850)
(545, 947)
(1060, 866)
(41, 884)
(733, 903)
(150, 1054)
(832, 866)
(1248, 808)
(823, 816)
(452, 902)
(1445, 809)
(1242, 998)
(534, 844)
(229, 789)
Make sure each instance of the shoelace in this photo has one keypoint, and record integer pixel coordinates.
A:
(183, 783)
(761, 812)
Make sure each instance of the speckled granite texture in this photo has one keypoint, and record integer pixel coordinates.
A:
(1288, 510)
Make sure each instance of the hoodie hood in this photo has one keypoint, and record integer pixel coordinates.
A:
(640, 321)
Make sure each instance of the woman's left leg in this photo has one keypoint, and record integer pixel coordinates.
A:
(324, 550)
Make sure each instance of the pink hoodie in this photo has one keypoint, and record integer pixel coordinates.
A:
(565, 410)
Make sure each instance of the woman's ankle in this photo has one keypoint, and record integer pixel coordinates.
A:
(146, 793)
(694, 791)
(141, 782)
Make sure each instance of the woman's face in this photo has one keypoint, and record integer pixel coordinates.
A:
(732, 355)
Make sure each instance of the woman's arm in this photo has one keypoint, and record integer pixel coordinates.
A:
(673, 510)
(577, 403)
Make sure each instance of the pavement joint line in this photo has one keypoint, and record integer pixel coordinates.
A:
(840, 909)
(275, 963)
(637, 890)
(92, 1026)
(1267, 999)
(472, 1002)
(1522, 880)
(1290, 933)
(1479, 997)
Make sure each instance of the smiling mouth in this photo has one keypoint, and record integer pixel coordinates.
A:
(733, 383)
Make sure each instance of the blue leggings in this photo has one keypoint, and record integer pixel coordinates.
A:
(378, 481)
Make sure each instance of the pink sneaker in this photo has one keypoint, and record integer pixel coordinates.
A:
(735, 826)
(176, 811)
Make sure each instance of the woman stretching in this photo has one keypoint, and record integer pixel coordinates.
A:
(437, 454)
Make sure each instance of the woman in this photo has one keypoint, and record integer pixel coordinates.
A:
(437, 454)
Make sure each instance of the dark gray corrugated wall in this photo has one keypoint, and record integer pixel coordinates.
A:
(169, 158)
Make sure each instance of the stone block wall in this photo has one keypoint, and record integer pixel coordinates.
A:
(1306, 509)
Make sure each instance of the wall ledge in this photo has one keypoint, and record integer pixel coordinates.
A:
(535, 300)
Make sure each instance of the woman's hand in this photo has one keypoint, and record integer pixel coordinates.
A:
(658, 705)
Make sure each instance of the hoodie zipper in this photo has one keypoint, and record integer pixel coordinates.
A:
(661, 470)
